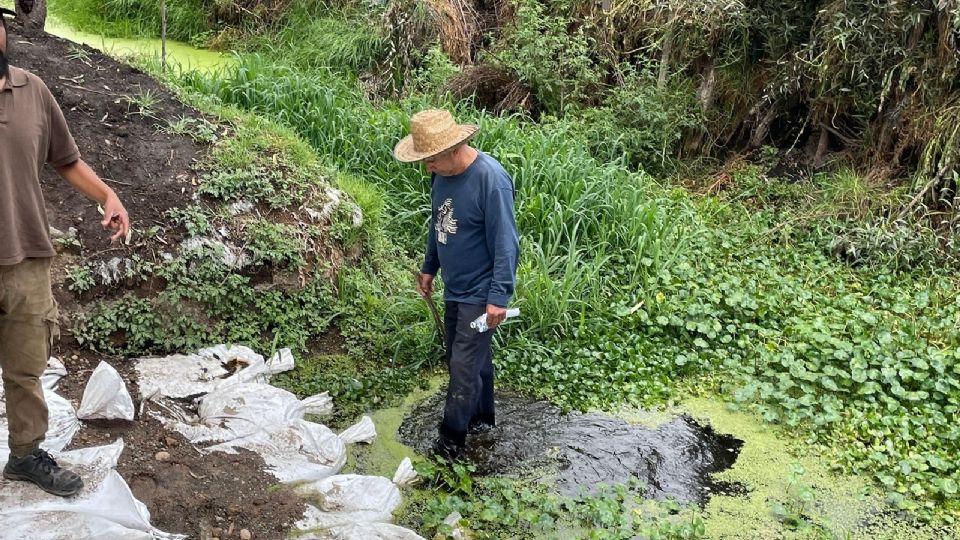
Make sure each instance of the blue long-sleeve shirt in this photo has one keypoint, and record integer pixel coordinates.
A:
(473, 238)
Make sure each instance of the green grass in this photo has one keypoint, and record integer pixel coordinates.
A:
(187, 20)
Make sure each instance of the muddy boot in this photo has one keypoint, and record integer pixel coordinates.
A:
(481, 424)
(38, 467)
(446, 449)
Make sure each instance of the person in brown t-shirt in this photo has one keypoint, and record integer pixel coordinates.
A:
(33, 132)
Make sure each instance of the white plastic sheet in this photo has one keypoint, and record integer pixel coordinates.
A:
(256, 370)
(105, 509)
(405, 474)
(363, 531)
(269, 421)
(363, 431)
(183, 376)
(320, 404)
(355, 493)
(238, 409)
(106, 396)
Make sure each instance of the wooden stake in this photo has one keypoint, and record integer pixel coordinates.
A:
(163, 36)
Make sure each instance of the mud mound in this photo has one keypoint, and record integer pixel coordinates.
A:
(675, 460)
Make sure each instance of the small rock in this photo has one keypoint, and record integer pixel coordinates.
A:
(217, 531)
(172, 442)
(163, 456)
(74, 357)
(245, 534)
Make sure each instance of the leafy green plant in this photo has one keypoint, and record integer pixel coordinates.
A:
(435, 71)
(192, 218)
(276, 243)
(559, 65)
(80, 278)
(500, 507)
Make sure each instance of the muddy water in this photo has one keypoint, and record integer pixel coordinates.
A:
(675, 460)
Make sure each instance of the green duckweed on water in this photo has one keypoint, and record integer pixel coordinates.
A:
(185, 56)
(385, 453)
(778, 478)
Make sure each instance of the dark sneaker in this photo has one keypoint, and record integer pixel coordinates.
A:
(446, 449)
(38, 467)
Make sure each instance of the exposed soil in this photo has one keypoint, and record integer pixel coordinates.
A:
(151, 171)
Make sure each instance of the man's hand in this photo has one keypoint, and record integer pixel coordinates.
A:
(424, 284)
(82, 177)
(115, 218)
(495, 315)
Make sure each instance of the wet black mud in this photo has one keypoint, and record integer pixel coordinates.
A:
(675, 461)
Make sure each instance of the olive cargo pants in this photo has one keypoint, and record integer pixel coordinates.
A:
(28, 327)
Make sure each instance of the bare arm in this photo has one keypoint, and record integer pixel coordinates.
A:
(82, 177)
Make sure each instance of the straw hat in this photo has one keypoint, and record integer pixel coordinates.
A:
(432, 132)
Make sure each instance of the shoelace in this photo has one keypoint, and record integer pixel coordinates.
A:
(44, 461)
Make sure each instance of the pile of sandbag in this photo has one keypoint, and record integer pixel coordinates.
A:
(105, 509)
(240, 409)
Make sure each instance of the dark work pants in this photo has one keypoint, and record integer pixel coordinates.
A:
(470, 362)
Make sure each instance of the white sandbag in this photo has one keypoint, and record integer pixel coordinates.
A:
(240, 410)
(226, 353)
(104, 510)
(355, 493)
(52, 375)
(246, 365)
(256, 369)
(178, 375)
(363, 431)
(105, 396)
(320, 404)
(300, 452)
(281, 361)
(405, 475)
(363, 531)
(317, 520)
(181, 376)
(100, 457)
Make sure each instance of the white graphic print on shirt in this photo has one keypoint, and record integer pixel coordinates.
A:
(446, 223)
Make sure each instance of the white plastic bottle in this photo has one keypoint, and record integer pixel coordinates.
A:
(480, 323)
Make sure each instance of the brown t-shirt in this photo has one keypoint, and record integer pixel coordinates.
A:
(32, 131)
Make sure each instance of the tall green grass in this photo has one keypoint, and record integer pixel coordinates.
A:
(588, 229)
(187, 20)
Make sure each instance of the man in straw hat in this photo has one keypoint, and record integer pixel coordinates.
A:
(473, 239)
(33, 132)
